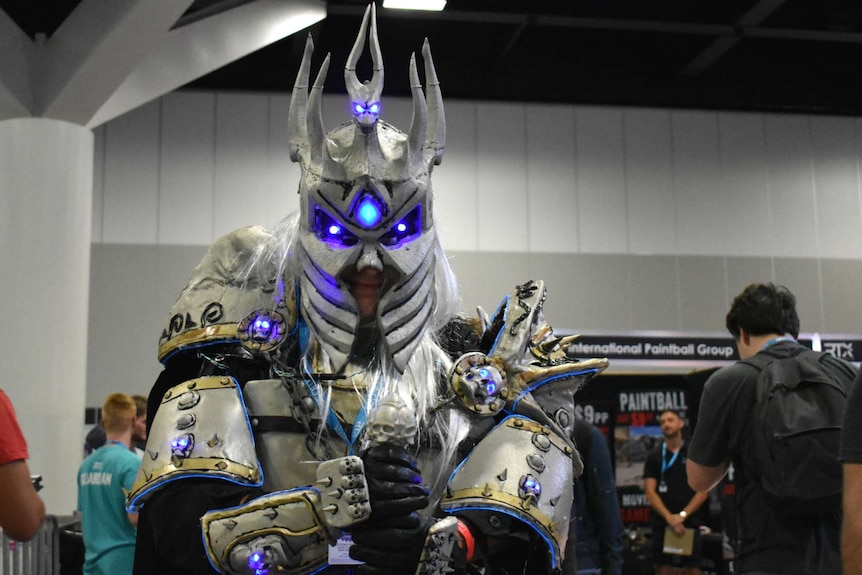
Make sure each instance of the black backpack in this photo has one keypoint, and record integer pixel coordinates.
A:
(798, 418)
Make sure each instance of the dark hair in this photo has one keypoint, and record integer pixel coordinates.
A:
(762, 309)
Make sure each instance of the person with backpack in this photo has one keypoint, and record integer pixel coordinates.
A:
(595, 544)
(776, 415)
(851, 457)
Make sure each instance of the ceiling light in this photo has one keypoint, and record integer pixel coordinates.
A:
(415, 4)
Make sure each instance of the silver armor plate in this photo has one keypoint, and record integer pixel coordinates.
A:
(200, 430)
(521, 469)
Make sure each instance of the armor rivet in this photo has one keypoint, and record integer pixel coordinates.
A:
(542, 442)
(167, 395)
(214, 440)
(519, 423)
(567, 450)
(546, 430)
(225, 381)
(221, 465)
(494, 521)
(504, 392)
(186, 420)
(255, 422)
(535, 461)
(188, 400)
(193, 384)
(503, 475)
(477, 407)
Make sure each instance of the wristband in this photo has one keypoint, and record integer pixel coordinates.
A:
(469, 542)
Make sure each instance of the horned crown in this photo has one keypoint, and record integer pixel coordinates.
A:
(385, 149)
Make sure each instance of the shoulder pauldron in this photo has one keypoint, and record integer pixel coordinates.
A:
(201, 429)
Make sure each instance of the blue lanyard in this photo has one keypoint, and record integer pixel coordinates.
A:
(332, 421)
(665, 465)
(776, 340)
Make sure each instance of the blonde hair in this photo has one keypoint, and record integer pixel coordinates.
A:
(118, 410)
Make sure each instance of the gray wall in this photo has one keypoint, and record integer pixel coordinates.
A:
(638, 220)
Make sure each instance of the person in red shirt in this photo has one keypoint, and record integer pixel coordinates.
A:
(21, 508)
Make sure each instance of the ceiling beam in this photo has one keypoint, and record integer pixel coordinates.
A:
(94, 50)
(198, 48)
(723, 44)
(16, 62)
(610, 24)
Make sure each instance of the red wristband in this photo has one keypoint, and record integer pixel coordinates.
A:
(469, 542)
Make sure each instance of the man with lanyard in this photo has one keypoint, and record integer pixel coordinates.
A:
(674, 503)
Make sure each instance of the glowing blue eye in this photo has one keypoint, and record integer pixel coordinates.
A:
(368, 213)
(374, 108)
(407, 229)
(357, 108)
(328, 230)
(262, 324)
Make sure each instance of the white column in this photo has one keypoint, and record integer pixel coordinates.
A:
(46, 187)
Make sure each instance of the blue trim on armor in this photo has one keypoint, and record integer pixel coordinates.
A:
(132, 506)
(551, 544)
(503, 303)
(549, 380)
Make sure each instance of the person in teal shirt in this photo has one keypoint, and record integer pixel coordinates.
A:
(109, 530)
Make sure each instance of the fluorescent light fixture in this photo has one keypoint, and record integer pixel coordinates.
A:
(415, 4)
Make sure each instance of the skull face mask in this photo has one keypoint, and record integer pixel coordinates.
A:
(366, 228)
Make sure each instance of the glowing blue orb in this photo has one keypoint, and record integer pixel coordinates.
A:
(374, 108)
(368, 212)
(357, 108)
(257, 563)
(334, 230)
(262, 324)
(401, 227)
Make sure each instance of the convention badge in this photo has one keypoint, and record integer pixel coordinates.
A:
(339, 553)
(662, 487)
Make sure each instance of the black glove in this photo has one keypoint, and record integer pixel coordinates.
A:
(391, 541)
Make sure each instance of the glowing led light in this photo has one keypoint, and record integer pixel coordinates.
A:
(368, 212)
(181, 446)
(491, 388)
(374, 108)
(401, 227)
(257, 563)
(262, 324)
(333, 229)
(357, 108)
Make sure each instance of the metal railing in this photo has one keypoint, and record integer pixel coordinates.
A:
(39, 556)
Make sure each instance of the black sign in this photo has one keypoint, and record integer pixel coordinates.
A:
(713, 349)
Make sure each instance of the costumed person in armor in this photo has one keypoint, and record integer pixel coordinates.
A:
(322, 407)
